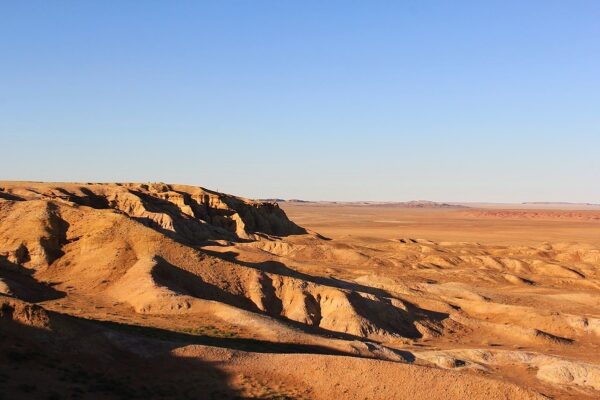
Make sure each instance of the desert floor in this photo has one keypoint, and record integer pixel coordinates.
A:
(507, 240)
(381, 222)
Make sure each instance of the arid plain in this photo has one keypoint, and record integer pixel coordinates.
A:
(171, 291)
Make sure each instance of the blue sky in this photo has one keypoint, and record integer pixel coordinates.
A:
(348, 100)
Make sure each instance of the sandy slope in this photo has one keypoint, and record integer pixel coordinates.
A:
(237, 300)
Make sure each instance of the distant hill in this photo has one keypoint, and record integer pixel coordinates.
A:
(399, 204)
(422, 204)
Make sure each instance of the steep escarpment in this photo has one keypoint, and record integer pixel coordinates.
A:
(136, 245)
(193, 214)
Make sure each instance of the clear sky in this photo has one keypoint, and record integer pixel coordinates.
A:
(322, 100)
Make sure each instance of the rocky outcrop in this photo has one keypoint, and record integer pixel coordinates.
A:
(191, 214)
(89, 238)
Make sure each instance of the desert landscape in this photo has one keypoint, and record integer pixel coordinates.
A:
(300, 200)
(153, 290)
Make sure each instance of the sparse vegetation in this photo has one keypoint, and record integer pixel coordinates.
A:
(209, 330)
